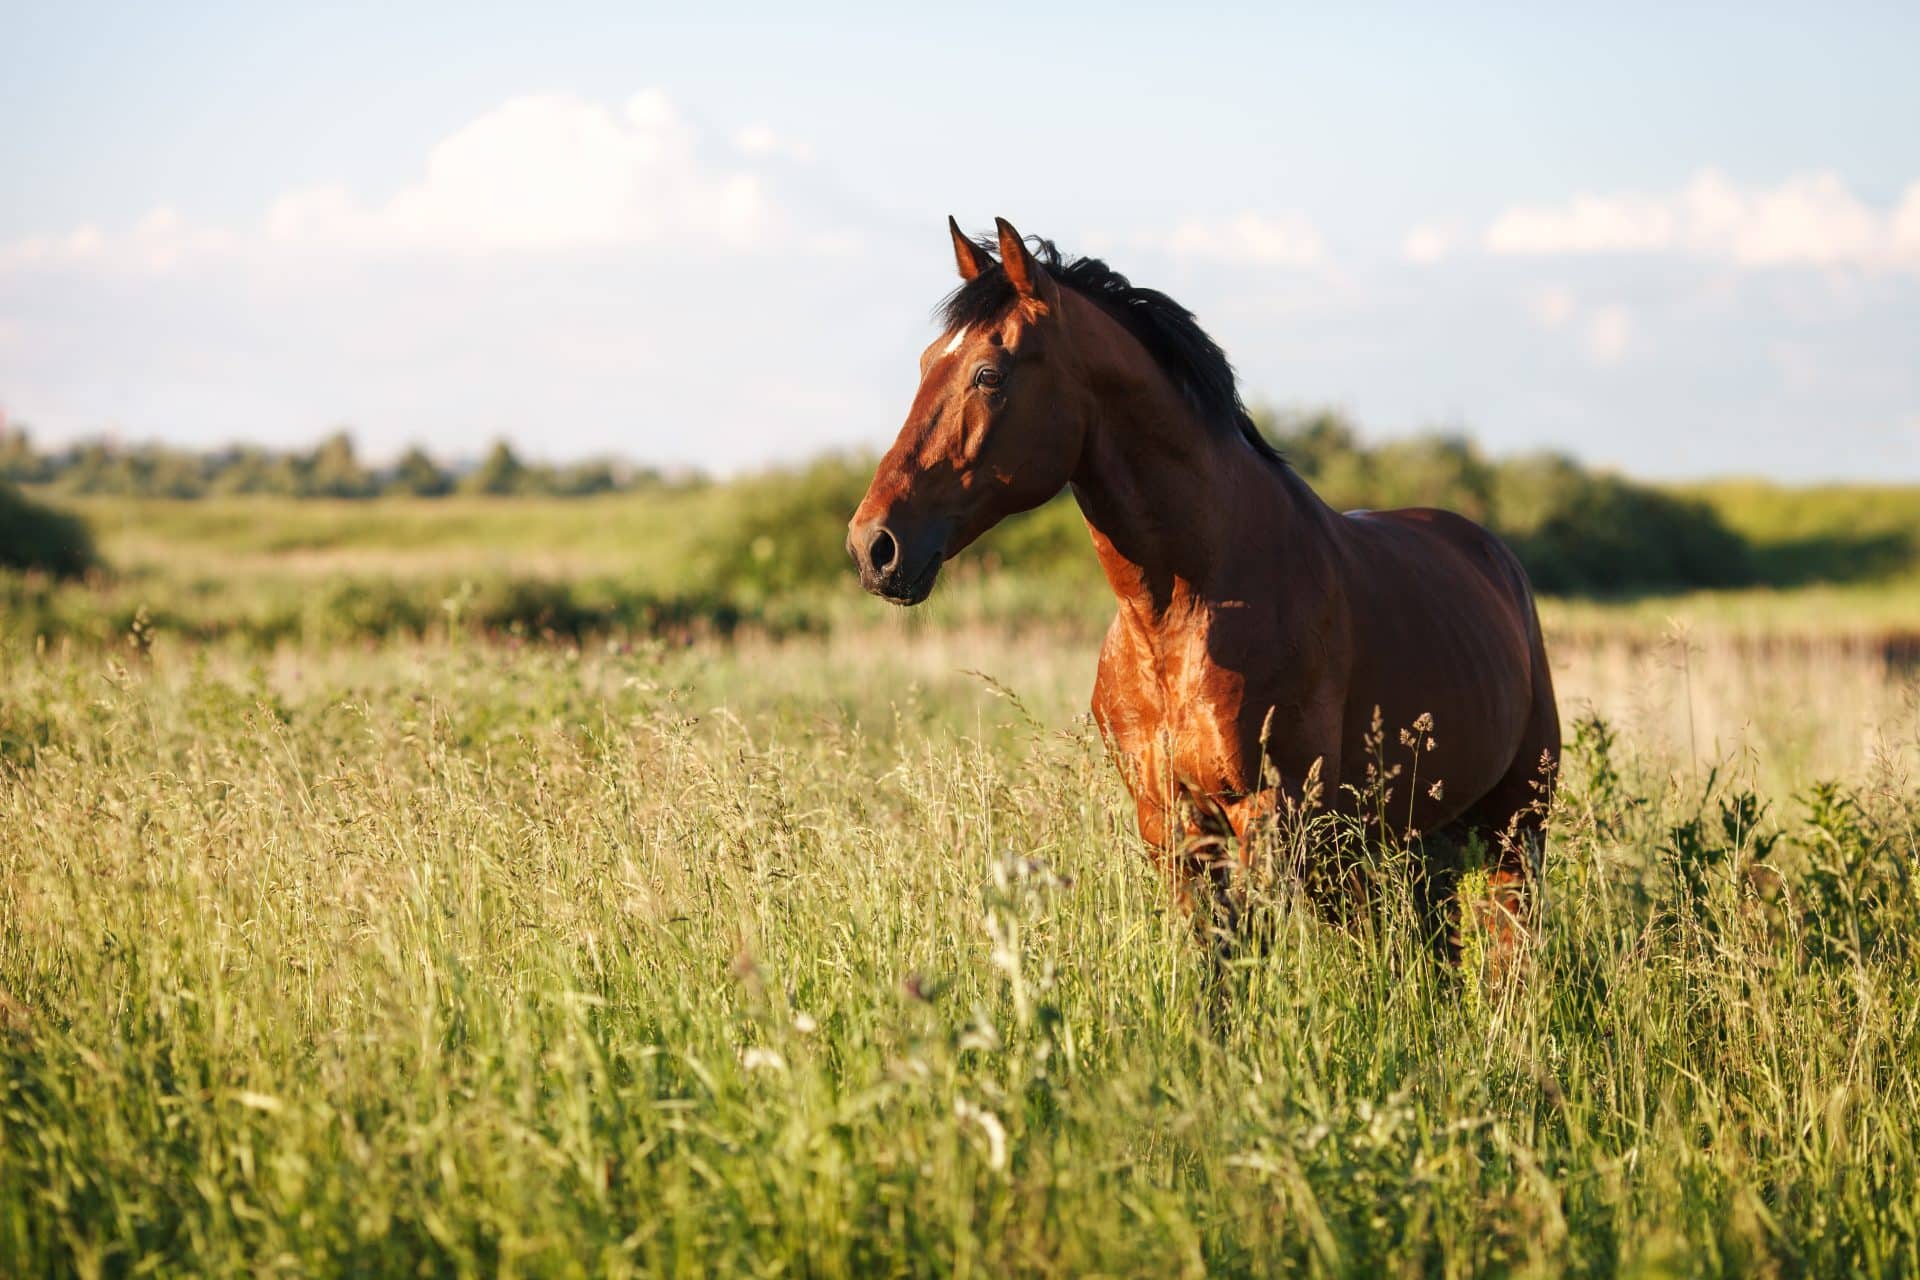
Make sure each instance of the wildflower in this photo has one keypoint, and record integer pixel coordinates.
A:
(761, 1058)
(989, 1124)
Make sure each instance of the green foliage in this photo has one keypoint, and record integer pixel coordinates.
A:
(38, 538)
(334, 472)
(419, 475)
(332, 469)
(363, 609)
(1577, 531)
(1580, 533)
(1824, 533)
(775, 541)
(500, 473)
(1857, 900)
(817, 959)
(19, 462)
(1711, 853)
(771, 533)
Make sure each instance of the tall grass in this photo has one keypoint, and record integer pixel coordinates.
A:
(828, 958)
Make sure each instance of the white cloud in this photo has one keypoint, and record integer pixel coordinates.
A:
(1427, 244)
(157, 243)
(1280, 240)
(1609, 335)
(1809, 219)
(547, 172)
(540, 173)
(762, 140)
(1906, 225)
(1587, 224)
(1552, 307)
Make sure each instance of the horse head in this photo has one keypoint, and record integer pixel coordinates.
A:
(995, 428)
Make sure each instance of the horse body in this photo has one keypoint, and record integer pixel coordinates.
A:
(1239, 684)
(1303, 654)
(1262, 644)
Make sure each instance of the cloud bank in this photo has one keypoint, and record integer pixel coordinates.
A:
(541, 173)
(1808, 220)
(587, 276)
(1284, 239)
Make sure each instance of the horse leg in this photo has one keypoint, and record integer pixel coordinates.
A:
(1510, 822)
(1213, 894)
(1215, 868)
(1442, 856)
(1191, 848)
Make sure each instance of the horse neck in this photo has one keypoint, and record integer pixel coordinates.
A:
(1185, 515)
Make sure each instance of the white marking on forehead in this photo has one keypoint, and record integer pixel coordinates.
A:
(958, 338)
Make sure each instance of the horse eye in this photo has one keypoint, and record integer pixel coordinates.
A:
(986, 376)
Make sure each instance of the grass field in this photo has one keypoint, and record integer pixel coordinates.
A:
(836, 954)
(764, 553)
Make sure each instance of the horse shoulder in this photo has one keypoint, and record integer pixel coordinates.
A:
(1125, 697)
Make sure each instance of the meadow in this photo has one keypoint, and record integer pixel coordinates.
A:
(815, 938)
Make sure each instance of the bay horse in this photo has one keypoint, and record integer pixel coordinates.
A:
(1262, 640)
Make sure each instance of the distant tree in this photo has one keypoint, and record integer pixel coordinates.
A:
(584, 479)
(1583, 532)
(537, 479)
(18, 462)
(245, 470)
(93, 468)
(291, 475)
(1433, 471)
(1316, 443)
(500, 472)
(418, 474)
(170, 473)
(335, 472)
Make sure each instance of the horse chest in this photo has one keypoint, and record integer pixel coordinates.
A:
(1177, 717)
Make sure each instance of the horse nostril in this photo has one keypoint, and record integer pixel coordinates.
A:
(882, 551)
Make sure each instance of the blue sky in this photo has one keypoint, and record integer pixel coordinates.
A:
(1677, 243)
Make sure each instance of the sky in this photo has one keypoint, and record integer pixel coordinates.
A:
(1676, 240)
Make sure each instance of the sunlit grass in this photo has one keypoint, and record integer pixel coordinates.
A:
(825, 957)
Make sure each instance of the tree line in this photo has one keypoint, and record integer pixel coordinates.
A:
(1579, 531)
(331, 469)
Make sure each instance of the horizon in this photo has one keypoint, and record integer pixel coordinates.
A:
(716, 243)
(459, 464)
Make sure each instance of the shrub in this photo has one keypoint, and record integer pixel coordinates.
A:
(772, 532)
(1582, 533)
(1578, 532)
(37, 537)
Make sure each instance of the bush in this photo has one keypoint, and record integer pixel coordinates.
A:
(1578, 532)
(37, 537)
(773, 532)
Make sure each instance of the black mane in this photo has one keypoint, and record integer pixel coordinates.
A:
(1175, 340)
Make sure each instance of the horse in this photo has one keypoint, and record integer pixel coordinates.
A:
(1261, 639)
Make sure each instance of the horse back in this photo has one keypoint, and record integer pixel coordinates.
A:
(1443, 624)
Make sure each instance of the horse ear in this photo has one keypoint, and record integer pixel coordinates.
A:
(1027, 275)
(968, 256)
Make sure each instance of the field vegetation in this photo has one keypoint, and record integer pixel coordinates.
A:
(824, 955)
(513, 885)
(766, 550)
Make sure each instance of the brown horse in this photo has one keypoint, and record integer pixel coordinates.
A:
(1261, 637)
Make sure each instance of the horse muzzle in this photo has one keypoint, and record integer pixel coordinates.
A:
(897, 568)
